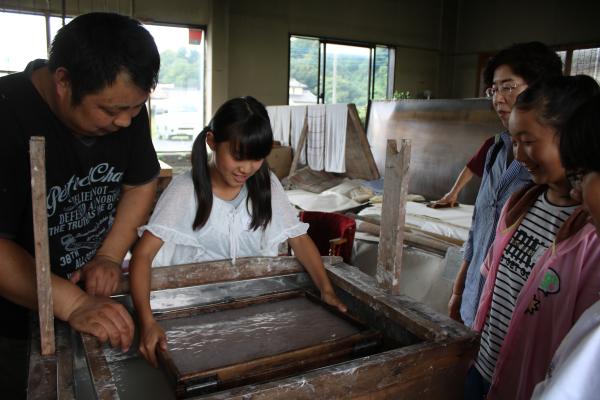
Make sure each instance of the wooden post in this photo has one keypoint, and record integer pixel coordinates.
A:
(391, 239)
(42, 250)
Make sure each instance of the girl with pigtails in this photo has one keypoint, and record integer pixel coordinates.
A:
(230, 205)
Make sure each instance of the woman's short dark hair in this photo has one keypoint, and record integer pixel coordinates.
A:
(580, 139)
(245, 124)
(96, 47)
(554, 100)
(531, 61)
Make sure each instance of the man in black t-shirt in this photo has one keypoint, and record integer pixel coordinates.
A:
(88, 101)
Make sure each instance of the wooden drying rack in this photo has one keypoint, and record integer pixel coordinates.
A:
(360, 163)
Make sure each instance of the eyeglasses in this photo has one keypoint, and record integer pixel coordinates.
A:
(505, 89)
(575, 178)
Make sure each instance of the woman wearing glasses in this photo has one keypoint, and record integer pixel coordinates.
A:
(507, 74)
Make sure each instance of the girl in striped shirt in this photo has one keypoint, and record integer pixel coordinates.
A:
(542, 268)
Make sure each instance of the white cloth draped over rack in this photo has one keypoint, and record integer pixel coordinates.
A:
(280, 123)
(298, 116)
(315, 140)
(336, 120)
(325, 146)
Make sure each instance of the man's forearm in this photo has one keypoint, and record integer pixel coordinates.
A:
(18, 283)
(132, 211)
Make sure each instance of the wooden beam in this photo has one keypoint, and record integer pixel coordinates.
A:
(425, 371)
(42, 249)
(412, 236)
(391, 239)
(41, 378)
(65, 388)
(222, 271)
(415, 317)
(104, 383)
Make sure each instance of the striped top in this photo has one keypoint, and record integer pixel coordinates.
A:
(501, 178)
(534, 235)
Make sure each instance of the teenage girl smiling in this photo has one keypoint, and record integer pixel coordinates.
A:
(542, 269)
(228, 206)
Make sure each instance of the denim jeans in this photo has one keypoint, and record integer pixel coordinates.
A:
(476, 386)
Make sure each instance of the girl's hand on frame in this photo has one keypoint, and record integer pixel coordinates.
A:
(151, 336)
(330, 298)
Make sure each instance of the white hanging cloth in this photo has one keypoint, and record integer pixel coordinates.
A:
(298, 116)
(280, 123)
(335, 137)
(316, 137)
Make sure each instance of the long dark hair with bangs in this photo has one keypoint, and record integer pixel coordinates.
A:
(554, 100)
(580, 141)
(244, 123)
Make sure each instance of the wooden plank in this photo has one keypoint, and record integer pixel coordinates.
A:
(64, 362)
(221, 271)
(412, 238)
(300, 146)
(295, 361)
(42, 249)
(395, 189)
(237, 303)
(414, 372)
(51, 377)
(415, 317)
(102, 378)
(41, 380)
(360, 163)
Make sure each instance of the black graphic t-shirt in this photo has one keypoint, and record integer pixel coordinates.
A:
(83, 175)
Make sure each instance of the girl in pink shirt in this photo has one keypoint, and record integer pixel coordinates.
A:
(541, 272)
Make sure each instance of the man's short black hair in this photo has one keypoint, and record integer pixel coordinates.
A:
(96, 47)
(580, 140)
(531, 61)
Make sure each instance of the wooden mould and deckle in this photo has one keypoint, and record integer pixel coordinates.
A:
(255, 330)
(247, 341)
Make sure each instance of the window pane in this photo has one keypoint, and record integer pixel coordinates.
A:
(563, 57)
(31, 44)
(585, 61)
(304, 70)
(347, 75)
(177, 103)
(56, 24)
(382, 59)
